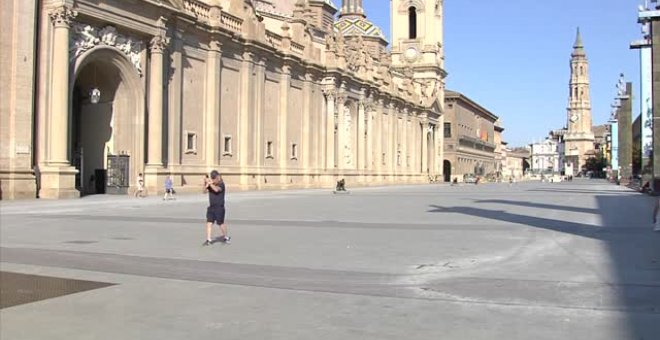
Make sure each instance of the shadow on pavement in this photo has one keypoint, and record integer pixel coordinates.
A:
(541, 206)
(625, 229)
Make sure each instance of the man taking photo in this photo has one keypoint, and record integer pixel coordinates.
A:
(215, 213)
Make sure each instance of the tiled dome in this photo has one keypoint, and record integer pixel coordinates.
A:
(356, 26)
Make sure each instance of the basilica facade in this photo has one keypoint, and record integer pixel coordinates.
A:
(272, 93)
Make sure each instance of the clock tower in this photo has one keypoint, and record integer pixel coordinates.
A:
(417, 45)
(579, 138)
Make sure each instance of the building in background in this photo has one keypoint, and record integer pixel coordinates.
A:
(579, 138)
(544, 157)
(600, 139)
(500, 150)
(517, 163)
(469, 139)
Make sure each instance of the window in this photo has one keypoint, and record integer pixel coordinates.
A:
(447, 130)
(191, 142)
(294, 151)
(226, 151)
(412, 23)
(269, 150)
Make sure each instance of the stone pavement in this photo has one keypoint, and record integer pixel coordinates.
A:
(572, 260)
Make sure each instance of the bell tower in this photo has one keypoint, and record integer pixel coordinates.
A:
(417, 42)
(579, 137)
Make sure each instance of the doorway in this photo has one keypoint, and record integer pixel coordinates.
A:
(106, 99)
(446, 170)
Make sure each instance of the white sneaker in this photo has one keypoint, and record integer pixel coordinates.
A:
(657, 227)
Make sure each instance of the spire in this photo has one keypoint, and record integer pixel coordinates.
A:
(352, 8)
(578, 39)
(578, 47)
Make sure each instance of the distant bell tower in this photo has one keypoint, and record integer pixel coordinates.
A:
(417, 43)
(579, 137)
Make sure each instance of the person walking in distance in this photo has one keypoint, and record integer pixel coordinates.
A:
(140, 186)
(169, 188)
(215, 213)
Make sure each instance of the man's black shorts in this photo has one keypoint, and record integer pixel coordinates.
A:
(215, 214)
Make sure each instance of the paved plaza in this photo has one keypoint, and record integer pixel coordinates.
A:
(574, 260)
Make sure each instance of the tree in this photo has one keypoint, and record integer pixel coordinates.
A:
(596, 165)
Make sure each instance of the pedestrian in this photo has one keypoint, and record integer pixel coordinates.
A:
(140, 186)
(169, 189)
(215, 213)
(656, 214)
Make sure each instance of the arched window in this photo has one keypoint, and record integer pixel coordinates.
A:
(412, 23)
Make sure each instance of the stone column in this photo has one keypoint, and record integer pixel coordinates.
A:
(174, 152)
(306, 142)
(393, 140)
(340, 106)
(404, 141)
(212, 110)
(329, 128)
(359, 139)
(396, 141)
(425, 148)
(155, 116)
(625, 135)
(378, 137)
(370, 120)
(439, 146)
(257, 127)
(57, 174)
(246, 108)
(62, 18)
(285, 83)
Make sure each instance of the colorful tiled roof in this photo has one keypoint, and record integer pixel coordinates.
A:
(355, 26)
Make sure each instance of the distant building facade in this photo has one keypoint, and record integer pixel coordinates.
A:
(517, 163)
(470, 131)
(545, 157)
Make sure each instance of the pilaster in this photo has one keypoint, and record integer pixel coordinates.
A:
(57, 175)
(212, 110)
(330, 127)
(246, 101)
(285, 83)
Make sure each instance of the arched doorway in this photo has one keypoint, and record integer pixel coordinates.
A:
(112, 126)
(446, 170)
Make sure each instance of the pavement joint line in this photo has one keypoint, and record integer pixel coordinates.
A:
(375, 288)
(500, 226)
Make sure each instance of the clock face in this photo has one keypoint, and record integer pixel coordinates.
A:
(411, 54)
(574, 118)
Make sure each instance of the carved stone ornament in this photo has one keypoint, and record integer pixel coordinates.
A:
(63, 16)
(329, 92)
(85, 37)
(158, 43)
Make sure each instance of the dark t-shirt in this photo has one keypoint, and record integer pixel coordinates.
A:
(217, 199)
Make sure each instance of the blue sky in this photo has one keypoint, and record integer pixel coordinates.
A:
(512, 56)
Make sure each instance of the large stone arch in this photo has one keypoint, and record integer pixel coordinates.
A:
(122, 93)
